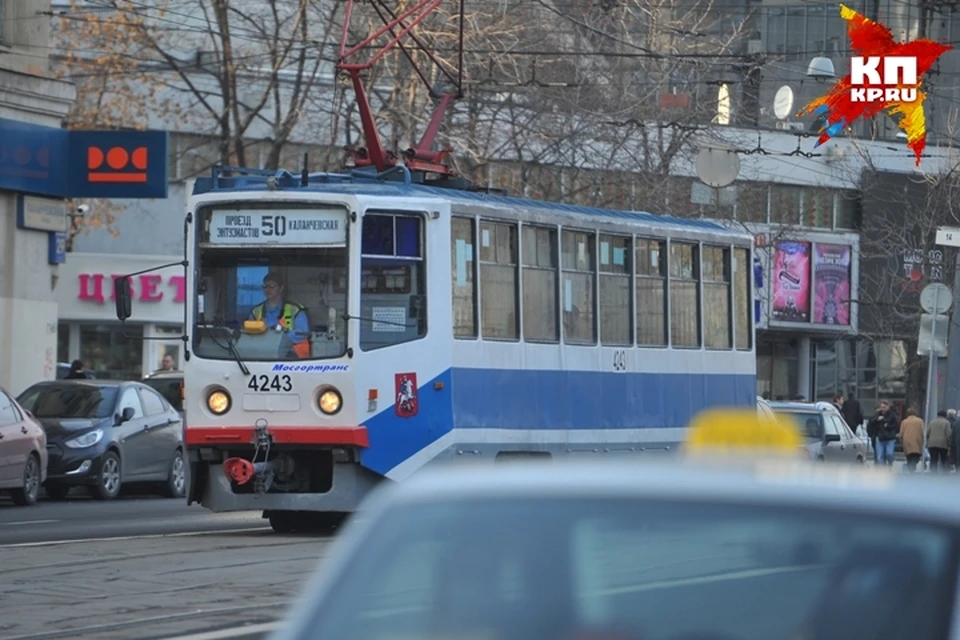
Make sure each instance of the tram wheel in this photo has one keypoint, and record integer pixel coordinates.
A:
(283, 521)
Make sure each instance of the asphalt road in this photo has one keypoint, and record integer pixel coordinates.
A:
(81, 518)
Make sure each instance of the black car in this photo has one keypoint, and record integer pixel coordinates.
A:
(104, 433)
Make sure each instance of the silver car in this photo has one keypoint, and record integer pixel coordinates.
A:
(825, 433)
(624, 551)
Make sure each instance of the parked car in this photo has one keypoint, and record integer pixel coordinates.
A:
(826, 435)
(169, 384)
(63, 370)
(103, 434)
(23, 452)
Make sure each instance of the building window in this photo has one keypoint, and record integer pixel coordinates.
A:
(848, 210)
(3, 20)
(684, 295)
(651, 269)
(752, 202)
(112, 354)
(716, 298)
(615, 300)
(785, 202)
(818, 208)
(463, 238)
(743, 310)
(498, 280)
(579, 278)
(393, 298)
(540, 316)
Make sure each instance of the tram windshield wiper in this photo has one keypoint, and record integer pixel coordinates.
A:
(220, 325)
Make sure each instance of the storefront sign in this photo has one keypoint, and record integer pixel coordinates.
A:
(791, 281)
(831, 273)
(58, 163)
(278, 226)
(148, 287)
(42, 214)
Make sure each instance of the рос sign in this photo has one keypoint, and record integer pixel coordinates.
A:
(149, 287)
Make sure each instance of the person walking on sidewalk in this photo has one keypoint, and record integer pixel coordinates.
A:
(883, 429)
(911, 436)
(939, 436)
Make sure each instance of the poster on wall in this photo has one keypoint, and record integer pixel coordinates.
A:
(791, 281)
(831, 277)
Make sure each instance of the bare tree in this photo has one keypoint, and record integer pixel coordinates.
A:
(240, 73)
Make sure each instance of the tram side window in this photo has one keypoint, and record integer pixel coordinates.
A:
(651, 268)
(393, 301)
(578, 257)
(615, 308)
(684, 295)
(539, 285)
(743, 313)
(499, 292)
(462, 242)
(716, 298)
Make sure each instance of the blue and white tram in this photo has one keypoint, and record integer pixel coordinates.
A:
(429, 324)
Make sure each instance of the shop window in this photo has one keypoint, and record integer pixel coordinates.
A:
(579, 277)
(615, 300)
(785, 204)
(499, 292)
(752, 202)
(716, 298)
(743, 309)
(110, 353)
(651, 288)
(462, 242)
(684, 295)
(393, 301)
(540, 284)
(63, 342)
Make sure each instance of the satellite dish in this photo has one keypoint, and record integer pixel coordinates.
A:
(717, 165)
(783, 103)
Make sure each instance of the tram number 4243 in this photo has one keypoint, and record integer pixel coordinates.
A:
(266, 384)
(620, 360)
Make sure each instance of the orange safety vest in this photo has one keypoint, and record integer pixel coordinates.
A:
(290, 310)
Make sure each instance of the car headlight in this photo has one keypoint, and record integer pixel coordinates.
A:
(86, 440)
(330, 402)
(218, 402)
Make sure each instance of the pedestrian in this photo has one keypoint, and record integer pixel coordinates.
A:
(838, 402)
(852, 413)
(911, 436)
(939, 435)
(77, 371)
(955, 439)
(883, 429)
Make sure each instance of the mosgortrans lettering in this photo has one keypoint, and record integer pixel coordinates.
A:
(310, 368)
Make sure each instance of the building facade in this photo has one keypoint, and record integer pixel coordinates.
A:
(88, 328)
(29, 96)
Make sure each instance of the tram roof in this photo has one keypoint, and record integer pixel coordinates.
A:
(285, 182)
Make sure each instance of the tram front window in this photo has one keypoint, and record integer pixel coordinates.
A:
(270, 303)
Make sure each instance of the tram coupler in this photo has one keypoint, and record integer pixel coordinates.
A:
(242, 471)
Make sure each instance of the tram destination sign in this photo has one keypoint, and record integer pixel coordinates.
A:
(278, 226)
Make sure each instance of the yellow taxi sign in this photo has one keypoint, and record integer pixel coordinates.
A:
(740, 431)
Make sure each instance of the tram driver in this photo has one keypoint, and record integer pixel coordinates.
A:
(283, 315)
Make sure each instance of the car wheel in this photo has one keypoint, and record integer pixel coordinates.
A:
(27, 493)
(56, 491)
(176, 484)
(108, 482)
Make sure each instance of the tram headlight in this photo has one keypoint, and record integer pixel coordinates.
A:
(330, 401)
(218, 402)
